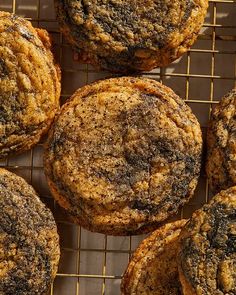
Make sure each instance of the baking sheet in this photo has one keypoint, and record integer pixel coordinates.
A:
(91, 263)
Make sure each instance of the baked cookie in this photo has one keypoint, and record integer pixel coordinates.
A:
(29, 84)
(207, 258)
(29, 243)
(221, 139)
(128, 35)
(123, 155)
(153, 267)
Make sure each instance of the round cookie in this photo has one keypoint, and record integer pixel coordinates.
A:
(129, 35)
(153, 267)
(29, 243)
(207, 258)
(221, 140)
(123, 155)
(29, 84)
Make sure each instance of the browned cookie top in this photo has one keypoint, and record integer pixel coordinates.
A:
(208, 248)
(130, 34)
(123, 154)
(29, 243)
(153, 267)
(221, 161)
(29, 84)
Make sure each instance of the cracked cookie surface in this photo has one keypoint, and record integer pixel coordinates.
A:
(207, 257)
(130, 35)
(221, 140)
(29, 84)
(123, 155)
(29, 243)
(153, 267)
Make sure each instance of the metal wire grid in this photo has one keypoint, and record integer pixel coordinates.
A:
(92, 263)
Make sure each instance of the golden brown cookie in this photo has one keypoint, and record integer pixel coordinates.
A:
(153, 267)
(123, 155)
(29, 84)
(130, 35)
(207, 258)
(29, 243)
(221, 139)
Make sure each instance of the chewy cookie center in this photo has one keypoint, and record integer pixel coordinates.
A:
(124, 148)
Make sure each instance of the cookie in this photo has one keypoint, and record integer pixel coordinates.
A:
(122, 36)
(153, 267)
(207, 258)
(221, 140)
(29, 243)
(29, 84)
(123, 155)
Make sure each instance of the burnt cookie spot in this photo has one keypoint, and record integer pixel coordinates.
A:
(231, 244)
(29, 241)
(182, 187)
(132, 36)
(144, 206)
(3, 69)
(207, 248)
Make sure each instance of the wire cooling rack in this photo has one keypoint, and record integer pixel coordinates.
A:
(92, 264)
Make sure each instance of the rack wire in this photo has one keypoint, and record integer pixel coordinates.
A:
(93, 263)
